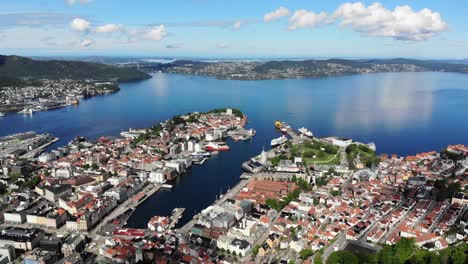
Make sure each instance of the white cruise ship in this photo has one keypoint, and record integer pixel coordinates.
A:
(306, 132)
(278, 141)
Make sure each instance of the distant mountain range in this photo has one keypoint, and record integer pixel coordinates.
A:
(257, 70)
(133, 68)
(17, 67)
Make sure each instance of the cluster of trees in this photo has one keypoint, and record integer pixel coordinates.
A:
(276, 159)
(367, 156)
(446, 190)
(192, 118)
(315, 148)
(3, 188)
(177, 120)
(306, 253)
(235, 111)
(278, 205)
(27, 183)
(404, 252)
(255, 249)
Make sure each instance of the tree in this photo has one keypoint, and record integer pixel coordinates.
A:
(342, 257)
(308, 154)
(321, 154)
(255, 249)
(272, 203)
(316, 201)
(15, 176)
(305, 253)
(3, 188)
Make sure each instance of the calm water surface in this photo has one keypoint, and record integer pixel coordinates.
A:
(403, 113)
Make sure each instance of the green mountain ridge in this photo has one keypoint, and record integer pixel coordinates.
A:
(21, 68)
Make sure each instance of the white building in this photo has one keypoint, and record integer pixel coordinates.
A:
(157, 176)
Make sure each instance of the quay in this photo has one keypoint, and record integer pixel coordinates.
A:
(175, 217)
(186, 229)
(132, 203)
(148, 191)
(35, 152)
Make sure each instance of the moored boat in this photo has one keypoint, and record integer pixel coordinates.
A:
(217, 146)
(306, 132)
(278, 141)
(26, 111)
(278, 124)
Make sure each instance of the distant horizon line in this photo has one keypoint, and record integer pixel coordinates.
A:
(231, 57)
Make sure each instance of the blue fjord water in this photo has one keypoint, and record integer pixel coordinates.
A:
(403, 113)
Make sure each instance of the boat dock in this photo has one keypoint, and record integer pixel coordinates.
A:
(187, 228)
(246, 176)
(176, 216)
(144, 194)
(296, 138)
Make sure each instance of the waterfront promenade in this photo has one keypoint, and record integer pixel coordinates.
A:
(149, 190)
(186, 229)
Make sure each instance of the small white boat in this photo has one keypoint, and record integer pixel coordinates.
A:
(2, 114)
(26, 111)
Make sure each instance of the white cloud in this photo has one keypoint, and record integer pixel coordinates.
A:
(156, 33)
(86, 43)
(222, 45)
(277, 14)
(402, 23)
(306, 19)
(108, 28)
(237, 25)
(83, 2)
(79, 24)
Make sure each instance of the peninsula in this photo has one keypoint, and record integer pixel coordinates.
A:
(267, 70)
(35, 85)
(305, 199)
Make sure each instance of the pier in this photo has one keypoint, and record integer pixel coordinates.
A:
(146, 193)
(132, 203)
(176, 216)
(186, 229)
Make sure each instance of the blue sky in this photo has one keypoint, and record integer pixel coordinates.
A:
(241, 28)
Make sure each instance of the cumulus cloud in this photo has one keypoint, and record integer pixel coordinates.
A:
(156, 33)
(86, 43)
(402, 23)
(222, 45)
(306, 19)
(237, 25)
(82, 2)
(108, 28)
(79, 24)
(277, 14)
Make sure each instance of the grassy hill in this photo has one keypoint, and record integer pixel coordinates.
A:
(21, 67)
